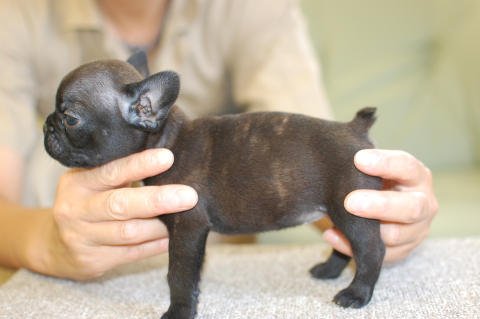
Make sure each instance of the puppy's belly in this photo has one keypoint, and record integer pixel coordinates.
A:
(301, 219)
(245, 223)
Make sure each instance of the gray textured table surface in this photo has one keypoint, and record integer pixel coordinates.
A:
(440, 279)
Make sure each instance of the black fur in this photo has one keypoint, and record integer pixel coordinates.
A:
(253, 172)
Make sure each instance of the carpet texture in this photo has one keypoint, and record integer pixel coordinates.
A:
(440, 279)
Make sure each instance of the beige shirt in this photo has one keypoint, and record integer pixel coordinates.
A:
(232, 56)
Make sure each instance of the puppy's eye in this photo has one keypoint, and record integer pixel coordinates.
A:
(70, 121)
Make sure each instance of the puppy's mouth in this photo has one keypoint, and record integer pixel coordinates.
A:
(52, 145)
(57, 147)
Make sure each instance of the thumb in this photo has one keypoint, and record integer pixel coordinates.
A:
(123, 171)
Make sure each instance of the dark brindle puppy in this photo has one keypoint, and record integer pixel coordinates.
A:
(253, 172)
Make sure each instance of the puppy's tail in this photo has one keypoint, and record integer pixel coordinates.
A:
(363, 120)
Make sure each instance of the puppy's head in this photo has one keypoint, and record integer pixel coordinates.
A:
(105, 110)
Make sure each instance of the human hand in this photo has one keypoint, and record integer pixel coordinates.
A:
(98, 222)
(406, 206)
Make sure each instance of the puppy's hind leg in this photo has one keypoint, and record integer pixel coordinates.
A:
(188, 238)
(332, 267)
(368, 252)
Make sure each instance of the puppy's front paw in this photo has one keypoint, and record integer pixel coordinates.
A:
(355, 298)
(179, 313)
(325, 271)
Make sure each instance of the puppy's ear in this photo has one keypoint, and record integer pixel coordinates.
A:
(146, 104)
(140, 63)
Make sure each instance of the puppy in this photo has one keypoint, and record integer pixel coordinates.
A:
(253, 172)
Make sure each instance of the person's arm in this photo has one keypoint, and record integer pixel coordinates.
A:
(11, 175)
(12, 166)
(273, 64)
(97, 223)
(405, 207)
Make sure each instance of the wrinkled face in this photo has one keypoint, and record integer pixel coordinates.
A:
(105, 110)
(87, 128)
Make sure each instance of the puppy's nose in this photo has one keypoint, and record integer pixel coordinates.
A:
(47, 127)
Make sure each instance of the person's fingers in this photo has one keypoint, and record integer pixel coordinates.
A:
(392, 165)
(129, 232)
(396, 253)
(338, 241)
(135, 253)
(397, 248)
(125, 170)
(141, 202)
(397, 234)
(404, 207)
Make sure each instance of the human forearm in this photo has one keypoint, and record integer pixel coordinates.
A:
(22, 231)
(285, 75)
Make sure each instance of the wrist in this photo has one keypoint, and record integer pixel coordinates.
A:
(37, 251)
(30, 240)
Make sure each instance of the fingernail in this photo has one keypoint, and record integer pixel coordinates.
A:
(357, 203)
(366, 158)
(162, 157)
(185, 198)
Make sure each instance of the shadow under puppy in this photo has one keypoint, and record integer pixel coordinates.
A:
(253, 172)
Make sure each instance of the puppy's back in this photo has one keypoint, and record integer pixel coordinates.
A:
(288, 165)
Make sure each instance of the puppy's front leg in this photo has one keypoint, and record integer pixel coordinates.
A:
(188, 236)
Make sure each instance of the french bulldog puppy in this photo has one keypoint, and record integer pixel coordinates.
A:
(253, 172)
